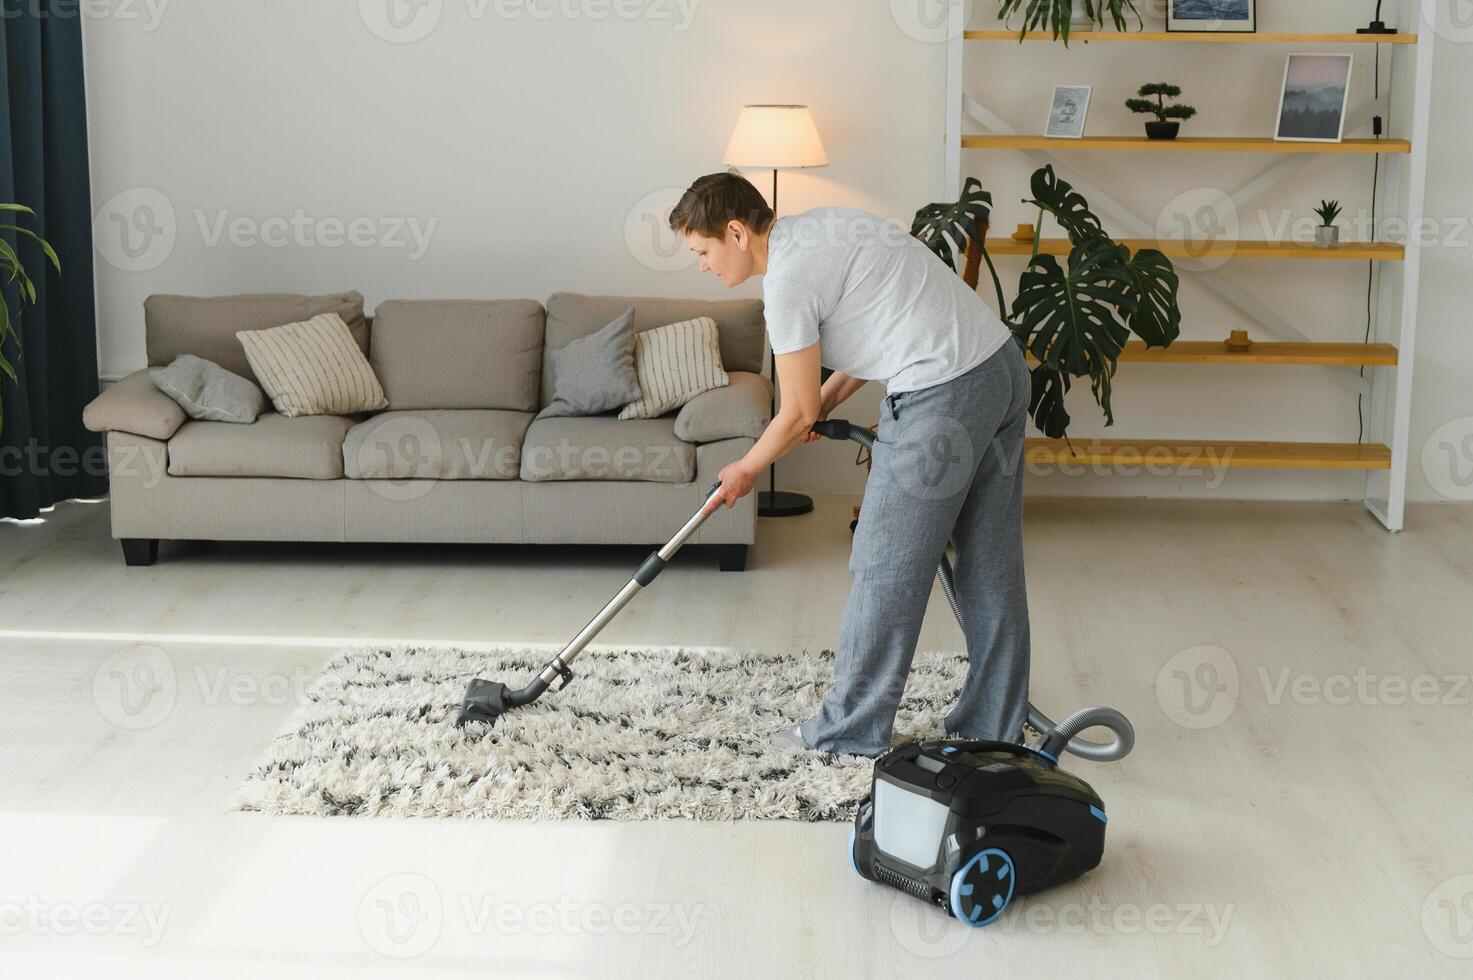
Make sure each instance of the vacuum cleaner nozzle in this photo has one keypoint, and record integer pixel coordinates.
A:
(484, 701)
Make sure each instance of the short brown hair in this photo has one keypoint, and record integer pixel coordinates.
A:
(716, 199)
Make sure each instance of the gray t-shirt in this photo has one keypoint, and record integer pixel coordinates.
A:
(881, 306)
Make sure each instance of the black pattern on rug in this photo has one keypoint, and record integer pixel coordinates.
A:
(642, 734)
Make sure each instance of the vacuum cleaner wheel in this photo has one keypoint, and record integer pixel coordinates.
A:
(982, 888)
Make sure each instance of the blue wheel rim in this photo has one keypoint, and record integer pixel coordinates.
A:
(853, 855)
(983, 899)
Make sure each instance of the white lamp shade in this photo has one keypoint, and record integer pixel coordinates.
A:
(776, 137)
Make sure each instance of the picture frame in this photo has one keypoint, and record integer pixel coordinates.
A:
(1212, 16)
(1068, 111)
(1314, 98)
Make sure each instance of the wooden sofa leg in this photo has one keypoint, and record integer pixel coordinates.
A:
(140, 552)
(733, 557)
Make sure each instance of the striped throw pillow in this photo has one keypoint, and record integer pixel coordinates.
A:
(675, 364)
(313, 368)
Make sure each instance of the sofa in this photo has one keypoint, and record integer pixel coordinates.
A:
(457, 457)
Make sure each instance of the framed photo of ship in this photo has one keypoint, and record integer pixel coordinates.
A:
(1316, 90)
(1067, 113)
(1212, 16)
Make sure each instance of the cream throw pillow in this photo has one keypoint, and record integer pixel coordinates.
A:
(313, 368)
(675, 364)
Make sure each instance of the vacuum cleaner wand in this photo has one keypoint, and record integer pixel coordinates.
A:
(487, 701)
(1054, 738)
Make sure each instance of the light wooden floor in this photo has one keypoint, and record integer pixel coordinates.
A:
(1289, 811)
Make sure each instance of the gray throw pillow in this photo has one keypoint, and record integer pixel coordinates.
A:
(208, 392)
(595, 374)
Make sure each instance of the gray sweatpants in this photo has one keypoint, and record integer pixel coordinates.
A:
(948, 465)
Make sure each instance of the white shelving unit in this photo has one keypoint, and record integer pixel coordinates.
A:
(1388, 360)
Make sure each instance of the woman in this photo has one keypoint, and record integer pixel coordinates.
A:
(847, 290)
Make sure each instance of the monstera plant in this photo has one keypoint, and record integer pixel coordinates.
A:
(1074, 317)
(12, 271)
(1057, 15)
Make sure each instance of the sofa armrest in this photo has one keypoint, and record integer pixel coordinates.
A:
(134, 405)
(740, 410)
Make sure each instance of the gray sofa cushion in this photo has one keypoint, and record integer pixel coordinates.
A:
(743, 408)
(206, 326)
(573, 315)
(595, 374)
(604, 448)
(433, 354)
(208, 392)
(306, 448)
(134, 405)
(461, 444)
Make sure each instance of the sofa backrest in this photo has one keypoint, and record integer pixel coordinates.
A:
(205, 326)
(739, 325)
(482, 354)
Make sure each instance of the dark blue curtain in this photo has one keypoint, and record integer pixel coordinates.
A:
(45, 453)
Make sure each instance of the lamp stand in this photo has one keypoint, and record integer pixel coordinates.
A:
(1378, 26)
(771, 502)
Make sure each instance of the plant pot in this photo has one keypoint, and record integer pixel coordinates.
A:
(1327, 236)
(1162, 130)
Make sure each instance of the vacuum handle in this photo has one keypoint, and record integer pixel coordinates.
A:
(836, 429)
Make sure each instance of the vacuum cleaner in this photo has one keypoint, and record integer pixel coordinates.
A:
(968, 825)
(965, 825)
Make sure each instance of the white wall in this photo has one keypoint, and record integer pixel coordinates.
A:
(535, 153)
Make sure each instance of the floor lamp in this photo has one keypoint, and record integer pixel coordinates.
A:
(776, 137)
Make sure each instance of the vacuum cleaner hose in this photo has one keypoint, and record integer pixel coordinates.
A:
(1056, 738)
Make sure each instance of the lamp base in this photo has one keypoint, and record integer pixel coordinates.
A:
(783, 504)
(1377, 27)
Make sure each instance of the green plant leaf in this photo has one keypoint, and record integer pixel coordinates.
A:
(1155, 286)
(1046, 405)
(46, 248)
(1059, 198)
(947, 227)
(1072, 319)
(21, 208)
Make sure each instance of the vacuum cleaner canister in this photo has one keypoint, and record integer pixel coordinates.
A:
(969, 825)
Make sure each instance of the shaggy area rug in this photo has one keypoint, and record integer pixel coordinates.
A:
(641, 735)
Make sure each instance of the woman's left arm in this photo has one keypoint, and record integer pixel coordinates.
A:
(799, 378)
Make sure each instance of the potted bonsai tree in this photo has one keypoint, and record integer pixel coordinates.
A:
(1168, 117)
(1060, 16)
(1327, 235)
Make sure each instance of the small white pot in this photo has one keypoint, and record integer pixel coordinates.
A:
(1327, 236)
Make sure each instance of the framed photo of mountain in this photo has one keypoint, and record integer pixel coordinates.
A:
(1213, 16)
(1316, 90)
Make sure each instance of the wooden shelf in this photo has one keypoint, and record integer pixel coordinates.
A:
(1263, 352)
(1206, 454)
(1199, 37)
(1182, 144)
(1236, 249)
